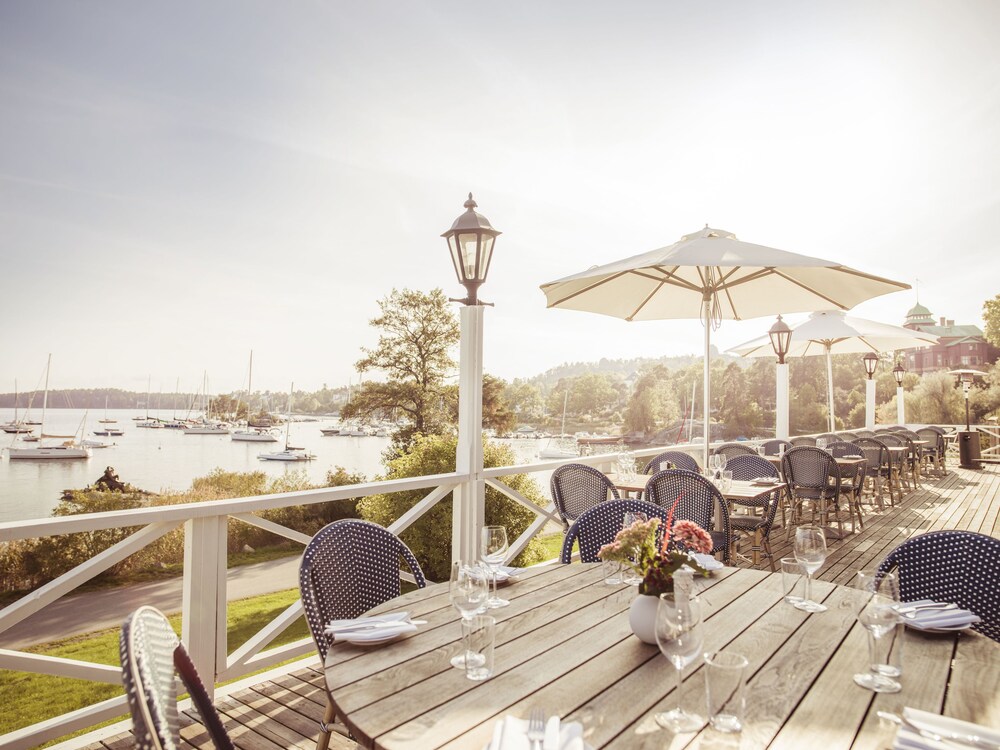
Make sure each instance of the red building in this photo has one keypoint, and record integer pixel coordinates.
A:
(957, 347)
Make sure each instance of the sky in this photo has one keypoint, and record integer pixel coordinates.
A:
(184, 182)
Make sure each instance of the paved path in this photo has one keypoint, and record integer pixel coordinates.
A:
(107, 608)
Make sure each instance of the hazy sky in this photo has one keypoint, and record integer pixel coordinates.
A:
(183, 182)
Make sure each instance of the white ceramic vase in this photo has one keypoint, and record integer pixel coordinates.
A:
(642, 618)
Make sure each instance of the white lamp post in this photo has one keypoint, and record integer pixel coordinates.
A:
(781, 339)
(870, 360)
(898, 372)
(470, 242)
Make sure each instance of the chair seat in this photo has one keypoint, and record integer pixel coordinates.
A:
(747, 523)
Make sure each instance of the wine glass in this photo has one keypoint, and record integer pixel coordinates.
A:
(879, 616)
(494, 540)
(810, 552)
(679, 636)
(468, 591)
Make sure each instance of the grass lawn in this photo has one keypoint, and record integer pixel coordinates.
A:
(29, 698)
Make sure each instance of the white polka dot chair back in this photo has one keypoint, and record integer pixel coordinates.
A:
(699, 501)
(951, 566)
(598, 526)
(349, 567)
(577, 488)
(732, 450)
(678, 459)
(151, 657)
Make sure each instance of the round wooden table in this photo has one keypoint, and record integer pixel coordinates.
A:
(564, 645)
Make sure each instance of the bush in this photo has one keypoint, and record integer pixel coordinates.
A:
(430, 536)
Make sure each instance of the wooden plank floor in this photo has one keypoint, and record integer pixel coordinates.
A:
(284, 712)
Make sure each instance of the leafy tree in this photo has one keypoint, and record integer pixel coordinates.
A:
(497, 412)
(740, 415)
(592, 393)
(991, 317)
(430, 537)
(653, 405)
(525, 400)
(418, 332)
(937, 400)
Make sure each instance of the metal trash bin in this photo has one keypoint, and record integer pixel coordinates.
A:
(968, 450)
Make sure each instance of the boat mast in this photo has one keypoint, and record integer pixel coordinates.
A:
(45, 398)
(288, 420)
(249, 391)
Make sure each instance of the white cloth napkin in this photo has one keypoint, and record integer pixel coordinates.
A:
(923, 619)
(512, 734)
(392, 624)
(706, 561)
(908, 739)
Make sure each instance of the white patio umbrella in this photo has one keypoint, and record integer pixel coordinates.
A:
(712, 275)
(832, 332)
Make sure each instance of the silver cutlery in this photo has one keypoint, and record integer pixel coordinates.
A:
(375, 625)
(959, 739)
(909, 608)
(536, 728)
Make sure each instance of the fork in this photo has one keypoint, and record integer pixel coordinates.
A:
(536, 728)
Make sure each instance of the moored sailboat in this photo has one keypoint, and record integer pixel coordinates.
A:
(69, 449)
(289, 453)
(252, 434)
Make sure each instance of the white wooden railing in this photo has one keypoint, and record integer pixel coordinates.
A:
(204, 590)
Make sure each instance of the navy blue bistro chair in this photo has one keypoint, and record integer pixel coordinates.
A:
(599, 525)
(679, 460)
(151, 657)
(757, 527)
(878, 468)
(349, 567)
(773, 447)
(732, 450)
(852, 477)
(699, 501)
(951, 566)
(802, 440)
(812, 476)
(933, 452)
(576, 488)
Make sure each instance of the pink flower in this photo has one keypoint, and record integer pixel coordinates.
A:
(692, 536)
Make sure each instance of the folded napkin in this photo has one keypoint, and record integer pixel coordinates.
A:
(706, 561)
(923, 619)
(507, 571)
(908, 738)
(372, 628)
(512, 734)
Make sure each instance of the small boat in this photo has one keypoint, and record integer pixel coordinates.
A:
(558, 449)
(109, 431)
(150, 424)
(330, 431)
(289, 453)
(205, 428)
(95, 444)
(17, 426)
(251, 434)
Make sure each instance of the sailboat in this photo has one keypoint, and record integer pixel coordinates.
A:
(560, 449)
(106, 420)
(289, 453)
(16, 426)
(205, 426)
(252, 434)
(152, 424)
(68, 449)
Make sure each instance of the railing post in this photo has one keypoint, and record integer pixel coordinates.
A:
(900, 406)
(781, 402)
(869, 404)
(203, 629)
(469, 499)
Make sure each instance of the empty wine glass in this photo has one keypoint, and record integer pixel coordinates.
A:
(494, 551)
(810, 552)
(879, 616)
(468, 591)
(679, 636)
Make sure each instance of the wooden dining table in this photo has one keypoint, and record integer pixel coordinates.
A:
(564, 645)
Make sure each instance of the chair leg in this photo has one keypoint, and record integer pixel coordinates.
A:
(325, 726)
(767, 551)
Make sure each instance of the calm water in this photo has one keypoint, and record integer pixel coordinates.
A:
(157, 460)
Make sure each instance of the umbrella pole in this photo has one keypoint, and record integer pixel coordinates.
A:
(829, 384)
(707, 392)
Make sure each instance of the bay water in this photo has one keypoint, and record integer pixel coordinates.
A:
(168, 459)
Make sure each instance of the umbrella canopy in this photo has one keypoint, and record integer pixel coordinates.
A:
(714, 276)
(832, 332)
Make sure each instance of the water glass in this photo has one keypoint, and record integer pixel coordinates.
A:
(760, 449)
(679, 636)
(468, 591)
(727, 482)
(612, 570)
(821, 443)
(880, 617)
(725, 690)
(810, 551)
(792, 580)
(481, 631)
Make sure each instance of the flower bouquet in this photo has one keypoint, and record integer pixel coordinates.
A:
(636, 546)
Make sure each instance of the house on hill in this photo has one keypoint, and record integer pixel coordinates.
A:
(958, 345)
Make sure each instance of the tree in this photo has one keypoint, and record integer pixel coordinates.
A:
(418, 332)
(525, 400)
(653, 405)
(937, 401)
(430, 537)
(739, 413)
(991, 317)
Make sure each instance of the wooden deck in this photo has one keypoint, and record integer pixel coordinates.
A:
(283, 711)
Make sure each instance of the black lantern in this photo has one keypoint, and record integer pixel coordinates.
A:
(898, 372)
(781, 339)
(871, 364)
(470, 241)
